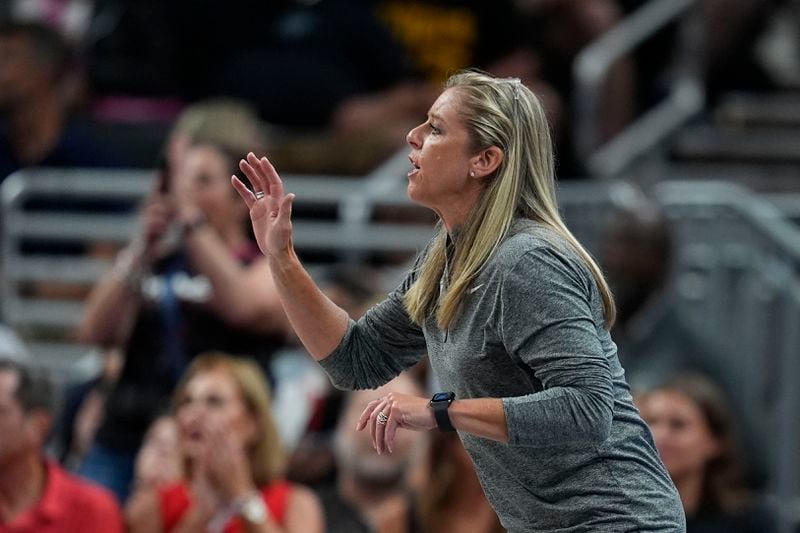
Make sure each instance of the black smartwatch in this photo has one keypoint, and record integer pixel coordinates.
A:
(440, 403)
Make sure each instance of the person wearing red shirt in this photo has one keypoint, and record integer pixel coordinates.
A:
(38, 496)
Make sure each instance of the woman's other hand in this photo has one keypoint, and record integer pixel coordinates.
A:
(385, 415)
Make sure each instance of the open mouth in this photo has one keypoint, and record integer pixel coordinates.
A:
(414, 165)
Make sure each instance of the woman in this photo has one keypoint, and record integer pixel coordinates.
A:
(233, 459)
(514, 316)
(191, 281)
(693, 429)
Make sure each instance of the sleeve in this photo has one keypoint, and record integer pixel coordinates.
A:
(376, 348)
(546, 322)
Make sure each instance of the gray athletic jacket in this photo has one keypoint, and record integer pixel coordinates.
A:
(579, 457)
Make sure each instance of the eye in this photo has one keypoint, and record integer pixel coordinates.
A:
(214, 400)
(434, 128)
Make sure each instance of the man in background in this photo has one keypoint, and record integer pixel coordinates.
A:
(36, 495)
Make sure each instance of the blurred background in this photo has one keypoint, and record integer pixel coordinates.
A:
(677, 131)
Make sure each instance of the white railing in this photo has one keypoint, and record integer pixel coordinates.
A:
(591, 69)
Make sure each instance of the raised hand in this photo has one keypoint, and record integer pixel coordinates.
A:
(226, 463)
(270, 214)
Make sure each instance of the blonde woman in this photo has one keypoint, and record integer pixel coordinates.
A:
(233, 460)
(513, 313)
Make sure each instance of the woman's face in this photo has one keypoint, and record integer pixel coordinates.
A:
(442, 158)
(211, 400)
(681, 432)
(203, 179)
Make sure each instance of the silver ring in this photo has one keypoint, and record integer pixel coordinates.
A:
(382, 418)
(260, 195)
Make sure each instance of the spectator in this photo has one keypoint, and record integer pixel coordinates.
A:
(226, 122)
(559, 30)
(233, 457)
(452, 499)
(35, 129)
(652, 337)
(693, 430)
(374, 492)
(84, 404)
(456, 34)
(174, 294)
(36, 495)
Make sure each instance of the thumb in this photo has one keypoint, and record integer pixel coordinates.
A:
(286, 207)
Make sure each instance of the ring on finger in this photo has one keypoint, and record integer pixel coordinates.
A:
(260, 195)
(382, 418)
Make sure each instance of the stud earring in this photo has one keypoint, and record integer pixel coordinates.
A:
(471, 173)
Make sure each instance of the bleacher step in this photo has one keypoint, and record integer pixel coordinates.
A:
(746, 109)
(761, 145)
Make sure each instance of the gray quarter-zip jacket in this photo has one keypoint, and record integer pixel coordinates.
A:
(579, 457)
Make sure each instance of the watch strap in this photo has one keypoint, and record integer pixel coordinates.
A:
(440, 412)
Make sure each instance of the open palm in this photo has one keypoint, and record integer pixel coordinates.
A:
(271, 214)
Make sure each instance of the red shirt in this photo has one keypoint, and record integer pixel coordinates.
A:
(175, 501)
(69, 505)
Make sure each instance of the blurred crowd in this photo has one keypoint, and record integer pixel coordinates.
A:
(207, 413)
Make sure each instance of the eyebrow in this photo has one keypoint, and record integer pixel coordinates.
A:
(435, 116)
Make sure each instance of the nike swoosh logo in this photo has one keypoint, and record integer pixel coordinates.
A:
(475, 288)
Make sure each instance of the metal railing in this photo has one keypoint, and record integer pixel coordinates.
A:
(591, 69)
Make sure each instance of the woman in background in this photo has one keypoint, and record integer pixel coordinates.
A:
(233, 459)
(693, 429)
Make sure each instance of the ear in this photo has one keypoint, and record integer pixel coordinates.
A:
(485, 162)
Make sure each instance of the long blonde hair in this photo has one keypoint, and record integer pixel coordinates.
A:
(265, 456)
(498, 112)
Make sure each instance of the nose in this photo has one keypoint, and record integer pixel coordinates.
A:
(414, 138)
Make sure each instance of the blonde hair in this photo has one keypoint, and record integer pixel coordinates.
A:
(265, 456)
(226, 122)
(503, 113)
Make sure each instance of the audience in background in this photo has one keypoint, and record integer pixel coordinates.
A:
(559, 30)
(652, 336)
(452, 498)
(82, 412)
(36, 495)
(36, 92)
(305, 398)
(233, 457)
(374, 493)
(191, 281)
(693, 430)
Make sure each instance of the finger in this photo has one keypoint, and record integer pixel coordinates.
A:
(255, 163)
(380, 429)
(364, 418)
(373, 423)
(246, 194)
(253, 174)
(271, 175)
(391, 428)
(285, 210)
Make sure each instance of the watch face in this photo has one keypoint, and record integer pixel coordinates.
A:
(253, 510)
(442, 397)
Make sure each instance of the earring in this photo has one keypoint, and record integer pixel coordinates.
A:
(471, 173)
